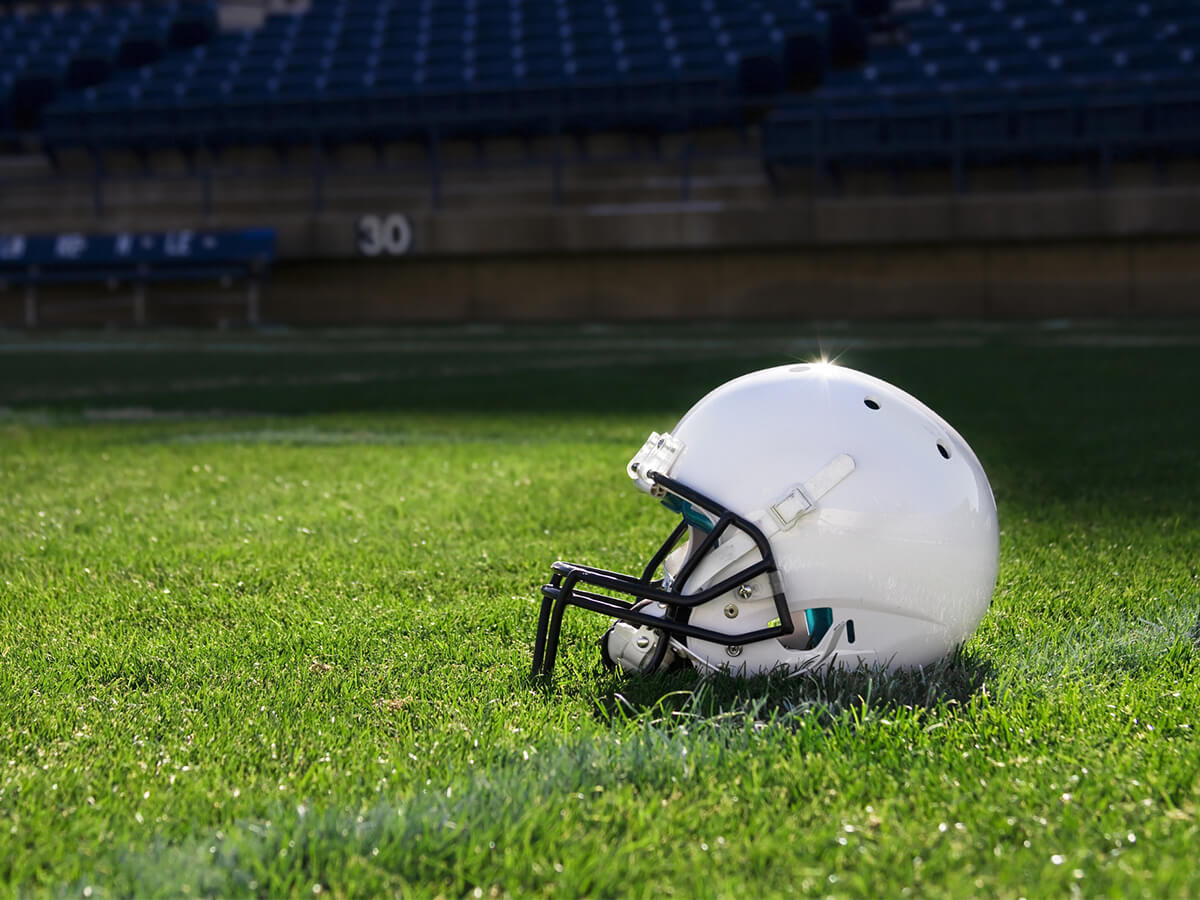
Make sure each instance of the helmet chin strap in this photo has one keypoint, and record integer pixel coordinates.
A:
(631, 647)
(780, 516)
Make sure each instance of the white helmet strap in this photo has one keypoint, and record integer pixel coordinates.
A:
(786, 512)
(801, 499)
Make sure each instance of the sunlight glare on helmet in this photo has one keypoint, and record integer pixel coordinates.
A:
(825, 360)
(823, 366)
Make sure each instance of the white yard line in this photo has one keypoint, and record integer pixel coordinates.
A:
(458, 354)
(589, 357)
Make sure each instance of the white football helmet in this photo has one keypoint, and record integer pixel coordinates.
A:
(828, 518)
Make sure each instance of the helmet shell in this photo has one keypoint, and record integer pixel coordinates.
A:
(903, 551)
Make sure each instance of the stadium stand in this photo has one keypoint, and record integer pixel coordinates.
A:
(506, 131)
(1006, 80)
(61, 52)
(376, 70)
(841, 85)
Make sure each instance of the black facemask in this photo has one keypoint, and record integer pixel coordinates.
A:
(672, 619)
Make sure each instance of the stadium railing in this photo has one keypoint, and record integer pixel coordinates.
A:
(1094, 125)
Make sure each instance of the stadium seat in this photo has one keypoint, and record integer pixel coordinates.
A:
(973, 79)
(793, 135)
(1016, 80)
(1047, 125)
(88, 66)
(918, 130)
(804, 59)
(1175, 120)
(46, 57)
(982, 126)
(360, 48)
(30, 91)
(853, 132)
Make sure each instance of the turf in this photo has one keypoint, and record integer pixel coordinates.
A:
(267, 604)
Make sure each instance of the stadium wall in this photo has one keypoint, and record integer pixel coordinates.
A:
(1068, 253)
(1043, 279)
(729, 252)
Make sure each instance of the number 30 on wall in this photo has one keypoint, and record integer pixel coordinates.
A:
(389, 235)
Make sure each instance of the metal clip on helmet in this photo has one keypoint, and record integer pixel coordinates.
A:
(826, 518)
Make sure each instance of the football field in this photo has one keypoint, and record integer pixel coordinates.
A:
(267, 605)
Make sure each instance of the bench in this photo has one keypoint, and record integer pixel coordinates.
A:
(137, 259)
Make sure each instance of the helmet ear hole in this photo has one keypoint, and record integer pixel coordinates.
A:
(798, 640)
(870, 403)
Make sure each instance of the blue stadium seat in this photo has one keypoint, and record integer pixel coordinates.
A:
(1095, 62)
(1117, 123)
(1047, 125)
(983, 126)
(1175, 120)
(1042, 19)
(639, 61)
(995, 44)
(981, 23)
(962, 73)
(793, 135)
(51, 56)
(853, 132)
(918, 130)
(90, 65)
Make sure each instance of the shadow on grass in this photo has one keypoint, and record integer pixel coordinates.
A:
(825, 697)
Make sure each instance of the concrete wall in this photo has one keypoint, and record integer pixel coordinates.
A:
(667, 225)
(1086, 252)
(623, 246)
(637, 213)
(1043, 279)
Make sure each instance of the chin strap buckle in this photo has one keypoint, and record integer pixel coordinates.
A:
(792, 507)
(802, 499)
(631, 646)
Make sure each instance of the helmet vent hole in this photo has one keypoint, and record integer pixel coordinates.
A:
(870, 404)
(942, 450)
(850, 630)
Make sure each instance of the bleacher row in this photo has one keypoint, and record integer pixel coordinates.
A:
(1007, 80)
(1028, 43)
(60, 51)
(1093, 125)
(377, 69)
(837, 81)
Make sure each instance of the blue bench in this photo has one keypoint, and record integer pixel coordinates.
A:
(137, 260)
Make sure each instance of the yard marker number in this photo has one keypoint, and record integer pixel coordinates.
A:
(389, 235)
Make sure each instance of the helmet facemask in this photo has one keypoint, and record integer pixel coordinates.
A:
(655, 617)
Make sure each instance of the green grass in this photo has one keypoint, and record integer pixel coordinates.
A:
(272, 638)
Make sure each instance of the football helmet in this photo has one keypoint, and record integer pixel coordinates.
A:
(827, 518)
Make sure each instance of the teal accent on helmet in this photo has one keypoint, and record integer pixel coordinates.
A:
(690, 514)
(819, 621)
